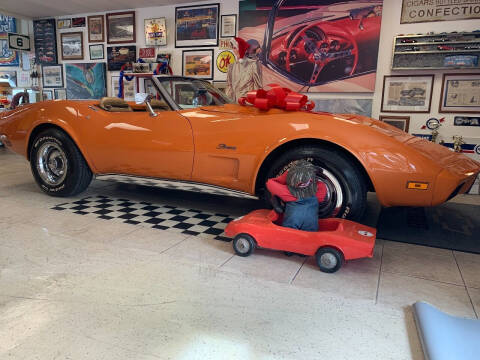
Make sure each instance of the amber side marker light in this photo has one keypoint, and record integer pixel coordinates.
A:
(417, 185)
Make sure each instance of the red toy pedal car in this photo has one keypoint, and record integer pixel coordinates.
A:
(336, 241)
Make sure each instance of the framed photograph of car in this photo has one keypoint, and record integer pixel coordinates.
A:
(121, 27)
(96, 31)
(197, 25)
(407, 93)
(155, 32)
(401, 122)
(64, 23)
(228, 26)
(60, 94)
(52, 76)
(72, 45)
(460, 93)
(96, 52)
(198, 64)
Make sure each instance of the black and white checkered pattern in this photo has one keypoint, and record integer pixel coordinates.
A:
(157, 216)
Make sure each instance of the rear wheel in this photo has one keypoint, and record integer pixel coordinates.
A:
(57, 165)
(346, 188)
(329, 260)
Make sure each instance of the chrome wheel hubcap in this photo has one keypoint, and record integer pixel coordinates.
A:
(243, 245)
(328, 261)
(52, 164)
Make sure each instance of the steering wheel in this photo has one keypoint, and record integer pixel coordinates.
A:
(23, 97)
(319, 49)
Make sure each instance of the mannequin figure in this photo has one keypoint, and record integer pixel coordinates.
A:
(245, 74)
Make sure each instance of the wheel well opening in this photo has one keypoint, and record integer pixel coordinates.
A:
(262, 173)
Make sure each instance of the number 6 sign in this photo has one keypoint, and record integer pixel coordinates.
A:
(18, 42)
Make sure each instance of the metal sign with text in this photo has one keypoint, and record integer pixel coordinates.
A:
(18, 42)
(416, 11)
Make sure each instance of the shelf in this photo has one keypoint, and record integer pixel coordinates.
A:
(477, 33)
(439, 43)
(437, 68)
(437, 52)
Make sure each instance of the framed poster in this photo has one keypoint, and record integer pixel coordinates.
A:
(96, 52)
(228, 26)
(129, 89)
(114, 85)
(7, 57)
(45, 41)
(85, 80)
(196, 25)
(198, 64)
(64, 23)
(47, 95)
(407, 93)
(401, 122)
(95, 28)
(121, 27)
(9, 77)
(117, 56)
(155, 32)
(460, 93)
(72, 45)
(60, 94)
(52, 76)
(78, 22)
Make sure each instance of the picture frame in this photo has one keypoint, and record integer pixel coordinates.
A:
(96, 32)
(460, 93)
(121, 27)
(155, 32)
(407, 93)
(400, 122)
(47, 95)
(114, 85)
(117, 56)
(228, 26)
(97, 52)
(149, 87)
(64, 23)
(198, 64)
(8, 56)
(72, 45)
(204, 32)
(85, 80)
(60, 94)
(45, 39)
(78, 21)
(52, 76)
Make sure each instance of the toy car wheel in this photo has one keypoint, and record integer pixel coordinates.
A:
(244, 245)
(329, 260)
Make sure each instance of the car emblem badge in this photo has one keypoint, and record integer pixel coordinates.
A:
(226, 147)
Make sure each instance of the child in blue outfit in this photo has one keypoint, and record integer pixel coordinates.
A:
(301, 191)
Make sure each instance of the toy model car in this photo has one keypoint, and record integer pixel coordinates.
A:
(408, 41)
(336, 241)
(444, 47)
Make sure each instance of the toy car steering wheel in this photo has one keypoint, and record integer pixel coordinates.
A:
(320, 49)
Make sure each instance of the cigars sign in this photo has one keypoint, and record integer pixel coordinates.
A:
(415, 11)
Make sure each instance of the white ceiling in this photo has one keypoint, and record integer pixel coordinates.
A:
(49, 8)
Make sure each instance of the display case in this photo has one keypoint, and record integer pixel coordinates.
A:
(455, 50)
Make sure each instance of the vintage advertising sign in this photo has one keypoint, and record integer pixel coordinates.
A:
(224, 60)
(7, 57)
(18, 42)
(466, 121)
(155, 32)
(416, 11)
(145, 53)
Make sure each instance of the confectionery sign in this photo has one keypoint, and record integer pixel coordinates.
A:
(415, 11)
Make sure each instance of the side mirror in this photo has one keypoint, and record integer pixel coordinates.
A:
(144, 98)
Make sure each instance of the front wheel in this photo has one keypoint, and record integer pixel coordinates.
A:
(243, 245)
(346, 189)
(329, 260)
(57, 165)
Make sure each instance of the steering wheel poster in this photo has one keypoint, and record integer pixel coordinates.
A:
(315, 45)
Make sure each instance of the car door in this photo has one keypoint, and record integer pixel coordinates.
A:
(136, 143)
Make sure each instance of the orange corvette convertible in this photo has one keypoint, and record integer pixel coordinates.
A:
(191, 132)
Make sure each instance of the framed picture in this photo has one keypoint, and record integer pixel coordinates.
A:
(228, 26)
(47, 95)
(196, 25)
(23, 79)
(121, 27)
(60, 94)
(220, 85)
(407, 93)
(129, 89)
(95, 28)
(64, 23)
(460, 93)
(117, 56)
(72, 45)
(401, 122)
(45, 41)
(85, 80)
(8, 57)
(198, 64)
(96, 52)
(155, 32)
(52, 76)
(149, 88)
(78, 22)
(114, 85)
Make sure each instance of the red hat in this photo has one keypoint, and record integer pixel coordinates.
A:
(242, 47)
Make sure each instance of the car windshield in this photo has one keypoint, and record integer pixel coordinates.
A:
(191, 93)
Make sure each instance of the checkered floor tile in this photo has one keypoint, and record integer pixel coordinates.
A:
(157, 216)
(174, 185)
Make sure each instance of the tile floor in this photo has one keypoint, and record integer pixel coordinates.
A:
(73, 286)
